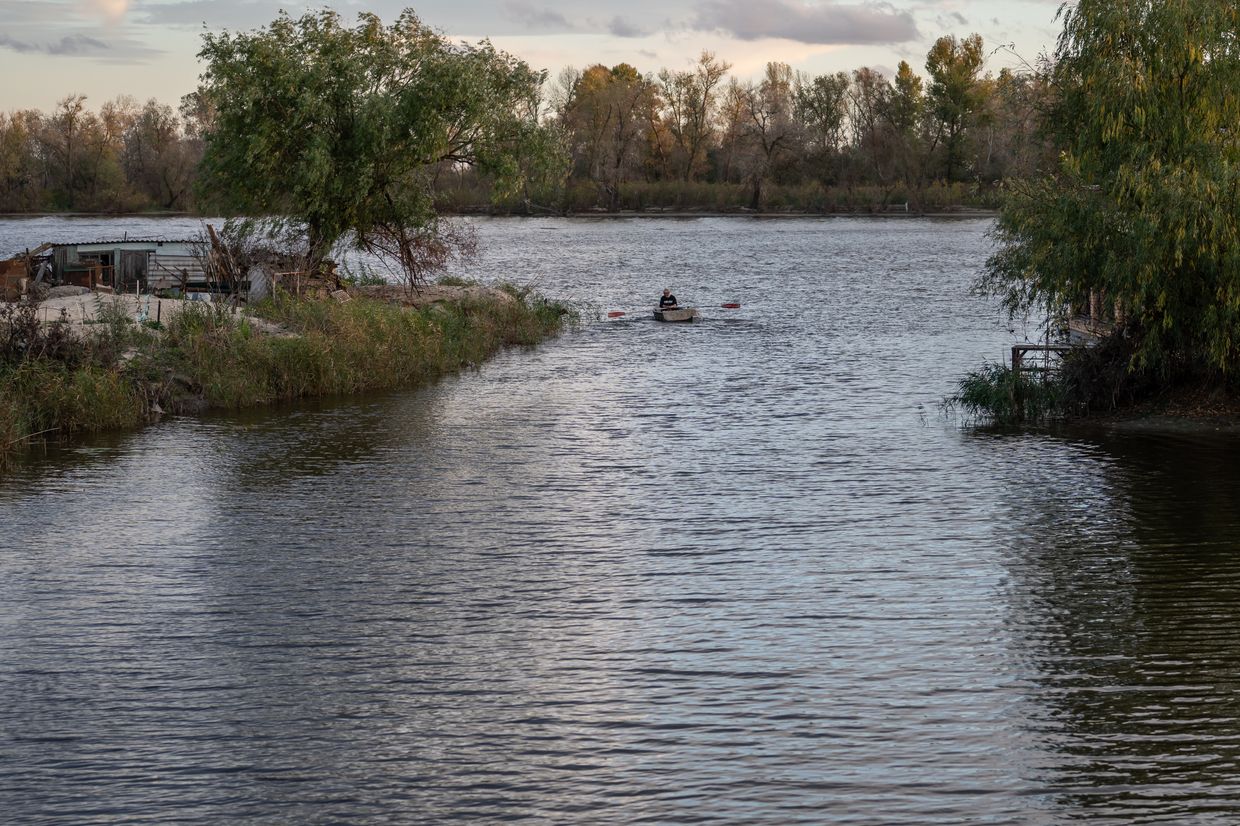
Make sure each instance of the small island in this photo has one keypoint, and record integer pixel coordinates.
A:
(324, 127)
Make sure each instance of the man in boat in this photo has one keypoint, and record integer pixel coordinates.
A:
(668, 301)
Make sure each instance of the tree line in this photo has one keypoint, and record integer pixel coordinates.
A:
(693, 138)
(125, 157)
(892, 137)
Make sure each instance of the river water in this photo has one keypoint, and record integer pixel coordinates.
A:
(739, 571)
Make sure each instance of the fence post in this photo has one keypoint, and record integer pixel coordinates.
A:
(1018, 357)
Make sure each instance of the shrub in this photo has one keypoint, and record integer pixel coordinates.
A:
(997, 394)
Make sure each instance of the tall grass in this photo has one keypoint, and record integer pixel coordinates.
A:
(1104, 379)
(998, 395)
(206, 356)
(349, 347)
(41, 398)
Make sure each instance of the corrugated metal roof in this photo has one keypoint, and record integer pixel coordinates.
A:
(127, 241)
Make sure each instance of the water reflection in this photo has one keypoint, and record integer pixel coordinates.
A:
(732, 571)
(1124, 604)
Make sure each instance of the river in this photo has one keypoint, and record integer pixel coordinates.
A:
(738, 571)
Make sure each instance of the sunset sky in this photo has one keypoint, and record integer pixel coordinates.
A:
(147, 48)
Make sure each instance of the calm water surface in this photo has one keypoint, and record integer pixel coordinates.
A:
(741, 571)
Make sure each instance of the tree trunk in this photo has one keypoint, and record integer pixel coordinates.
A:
(318, 247)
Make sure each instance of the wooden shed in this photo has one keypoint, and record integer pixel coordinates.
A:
(130, 264)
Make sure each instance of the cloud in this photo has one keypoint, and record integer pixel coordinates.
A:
(31, 11)
(951, 20)
(76, 45)
(621, 27)
(215, 13)
(111, 10)
(111, 48)
(539, 19)
(821, 24)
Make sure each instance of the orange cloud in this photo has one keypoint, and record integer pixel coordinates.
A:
(111, 10)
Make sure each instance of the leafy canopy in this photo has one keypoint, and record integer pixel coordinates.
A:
(954, 93)
(1143, 208)
(342, 129)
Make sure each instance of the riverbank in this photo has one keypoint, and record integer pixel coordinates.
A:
(1188, 408)
(114, 372)
(681, 214)
(1093, 387)
(648, 212)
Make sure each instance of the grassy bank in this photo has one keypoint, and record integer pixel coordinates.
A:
(1106, 381)
(120, 374)
(470, 196)
(679, 196)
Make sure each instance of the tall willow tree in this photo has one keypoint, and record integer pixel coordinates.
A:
(342, 129)
(1144, 207)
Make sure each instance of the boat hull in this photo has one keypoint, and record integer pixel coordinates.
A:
(681, 314)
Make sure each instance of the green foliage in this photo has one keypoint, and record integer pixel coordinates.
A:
(1144, 209)
(207, 355)
(456, 281)
(52, 380)
(997, 395)
(954, 94)
(23, 337)
(42, 395)
(361, 274)
(1086, 381)
(342, 129)
(345, 347)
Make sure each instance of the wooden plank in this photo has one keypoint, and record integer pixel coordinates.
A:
(1045, 348)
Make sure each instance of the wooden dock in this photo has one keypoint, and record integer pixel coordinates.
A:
(1019, 351)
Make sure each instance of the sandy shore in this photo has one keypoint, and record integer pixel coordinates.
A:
(82, 311)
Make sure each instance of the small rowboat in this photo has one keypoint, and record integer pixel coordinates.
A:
(677, 314)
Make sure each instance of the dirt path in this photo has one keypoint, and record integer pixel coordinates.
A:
(83, 311)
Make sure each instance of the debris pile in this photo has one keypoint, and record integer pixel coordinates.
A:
(20, 275)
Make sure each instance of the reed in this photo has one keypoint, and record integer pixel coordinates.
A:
(43, 397)
(207, 357)
(334, 348)
(996, 394)
(812, 197)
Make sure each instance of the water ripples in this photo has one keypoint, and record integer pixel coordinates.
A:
(736, 572)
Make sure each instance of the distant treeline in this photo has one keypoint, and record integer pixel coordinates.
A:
(123, 158)
(692, 139)
(821, 143)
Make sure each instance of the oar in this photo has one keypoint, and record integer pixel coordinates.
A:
(731, 305)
